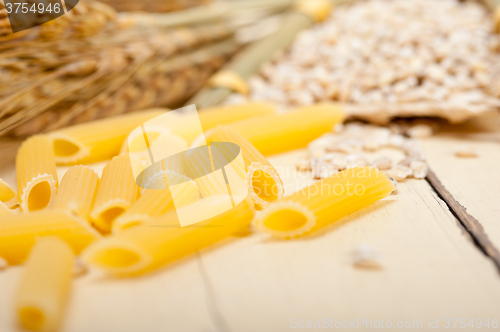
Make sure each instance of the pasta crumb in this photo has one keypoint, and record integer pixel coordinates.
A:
(3, 264)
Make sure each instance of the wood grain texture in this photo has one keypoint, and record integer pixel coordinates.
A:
(471, 224)
(472, 184)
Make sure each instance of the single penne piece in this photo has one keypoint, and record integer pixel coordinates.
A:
(115, 193)
(4, 209)
(77, 191)
(324, 202)
(277, 133)
(262, 179)
(96, 140)
(211, 117)
(8, 195)
(146, 247)
(19, 231)
(36, 173)
(213, 176)
(45, 285)
(156, 202)
(157, 136)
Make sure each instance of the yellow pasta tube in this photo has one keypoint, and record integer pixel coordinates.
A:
(144, 248)
(4, 209)
(212, 181)
(277, 133)
(156, 202)
(116, 192)
(7, 194)
(45, 285)
(324, 202)
(36, 173)
(96, 140)
(262, 179)
(18, 232)
(77, 191)
(211, 117)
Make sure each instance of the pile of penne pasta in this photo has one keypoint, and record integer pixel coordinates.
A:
(111, 221)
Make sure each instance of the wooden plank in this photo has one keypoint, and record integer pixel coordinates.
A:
(474, 183)
(431, 270)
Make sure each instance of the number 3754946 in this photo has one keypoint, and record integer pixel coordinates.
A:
(463, 323)
(39, 8)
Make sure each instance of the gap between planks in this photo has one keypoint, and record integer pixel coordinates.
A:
(470, 224)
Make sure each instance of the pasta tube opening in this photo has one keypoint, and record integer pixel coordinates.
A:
(67, 148)
(40, 194)
(36, 173)
(111, 214)
(7, 194)
(286, 219)
(118, 256)
(264, 184)
(31, 318)
(117, 191)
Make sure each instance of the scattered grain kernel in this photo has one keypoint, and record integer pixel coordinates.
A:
(322, 170)
(364, 256)
(466, 151)
(420, 131)
(399, 172)
(419, 169)
(382, 163)
(303, 165)
(396, 141)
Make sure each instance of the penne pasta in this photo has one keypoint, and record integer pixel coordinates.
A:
(156, 202)
(115, 193)
(4, 209)
(143, 248)
(77, 191)
(36, 173)
(214, 175)
(211, 117)
(159, 138)
(324, 202)
(8, 195)
(96, 140)
(19, 231)
(185, 123)
(263, 181)
(157, 158)
(277, 133)
(45, 285)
